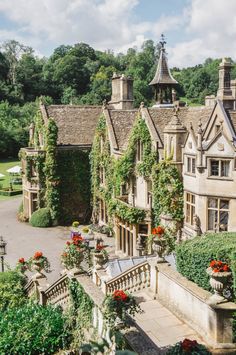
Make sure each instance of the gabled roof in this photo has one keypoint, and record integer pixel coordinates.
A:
(122, 122)
(162, 116)
(76, 124)
(163, 75)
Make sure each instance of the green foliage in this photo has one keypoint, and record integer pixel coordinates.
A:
(74, 188)
(51, 173)
(79, 315)
(125, 166)
(11, 290)
(167, 191)
(32, 329)
(130, 214)
(194, 256)
(41, 218)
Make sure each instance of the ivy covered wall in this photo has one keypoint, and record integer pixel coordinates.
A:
(74, 188)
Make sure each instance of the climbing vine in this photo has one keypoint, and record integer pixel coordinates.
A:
(167, 191)
(127, 165)
(51, 174)
(79, 315)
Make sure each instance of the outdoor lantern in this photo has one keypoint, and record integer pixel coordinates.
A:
(2, 251)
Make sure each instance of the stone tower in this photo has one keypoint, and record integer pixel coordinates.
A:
(163, 82)
(224, 92)
(122, 92)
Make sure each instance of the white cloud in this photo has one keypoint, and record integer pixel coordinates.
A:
(208, 27)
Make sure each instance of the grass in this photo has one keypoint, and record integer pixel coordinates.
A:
(5, 181)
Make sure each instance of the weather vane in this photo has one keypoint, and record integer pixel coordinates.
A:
(162, 41)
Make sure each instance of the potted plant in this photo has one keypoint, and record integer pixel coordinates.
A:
(219, 273)
(162, 242)
(75, 229)
(74, 253)
(188, 346)
(39, 263)
(100, 256)
(117, 306)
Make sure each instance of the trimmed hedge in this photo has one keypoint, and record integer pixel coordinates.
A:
(11, 290)
(41, 218)
(194, 255)
(32, 329)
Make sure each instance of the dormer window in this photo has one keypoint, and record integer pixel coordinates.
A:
(191, 165)
(219, 168)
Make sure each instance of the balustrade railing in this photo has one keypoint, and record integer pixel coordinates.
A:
(134, 279)
(58, 293)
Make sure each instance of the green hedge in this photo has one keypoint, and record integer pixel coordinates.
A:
(41, 218)
(11, 290)
(194, 255)
(32, 329)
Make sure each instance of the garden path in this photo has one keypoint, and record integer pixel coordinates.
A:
(161, 325)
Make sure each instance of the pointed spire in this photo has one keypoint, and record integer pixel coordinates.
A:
(163, 75)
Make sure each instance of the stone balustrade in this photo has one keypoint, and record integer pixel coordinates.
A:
(58, 293)
(133, 280)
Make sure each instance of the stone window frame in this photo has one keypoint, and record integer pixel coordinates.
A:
(192, 170)
(218, 209)
(189, 205)
(220, 159)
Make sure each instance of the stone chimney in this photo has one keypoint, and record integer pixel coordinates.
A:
(224, 92)
(122, 92)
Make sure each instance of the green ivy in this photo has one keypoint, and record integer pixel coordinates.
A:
(79, 315)
(51, 172)
(126, 165)
(130, 214)
(167, 191)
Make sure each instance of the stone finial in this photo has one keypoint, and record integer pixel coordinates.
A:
(200, 127)
(142, 105)
(114, 75)
(104, 104)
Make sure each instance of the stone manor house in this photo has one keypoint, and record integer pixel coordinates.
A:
(201, 141)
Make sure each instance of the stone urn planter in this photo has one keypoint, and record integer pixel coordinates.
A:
(218, 281)
(98, 260)
(159, 247)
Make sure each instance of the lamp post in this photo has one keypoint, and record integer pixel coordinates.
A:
(2, 251)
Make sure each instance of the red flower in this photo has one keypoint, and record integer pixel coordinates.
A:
(21, 260)
(188, 345)
(219, 266)
(100, 247)
(38, 255)
(158, 230)
(67, 243)
(120, 295)
(77, 240)
(64, 255)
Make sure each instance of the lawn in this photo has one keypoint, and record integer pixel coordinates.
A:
(5, 181)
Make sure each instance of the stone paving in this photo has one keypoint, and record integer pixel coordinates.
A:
(161, 326)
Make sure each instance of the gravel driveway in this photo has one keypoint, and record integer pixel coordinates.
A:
(23, 240)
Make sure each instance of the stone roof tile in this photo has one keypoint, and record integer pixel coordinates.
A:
(76, 124)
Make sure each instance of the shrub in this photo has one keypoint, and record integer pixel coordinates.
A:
(31, 329)
(188, 346)
(11, 290)
(41, 218)
(194, 255)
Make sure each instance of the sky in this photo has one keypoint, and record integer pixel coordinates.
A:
(194, 29)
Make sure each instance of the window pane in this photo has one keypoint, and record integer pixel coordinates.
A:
(224, 168)
(193, 199)
(224, 216)
(188, 165)
(224, 204)
(212, 202)
(188, 213)
(188, 197)
(212, 219)
(214, 167)
(193, 166)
